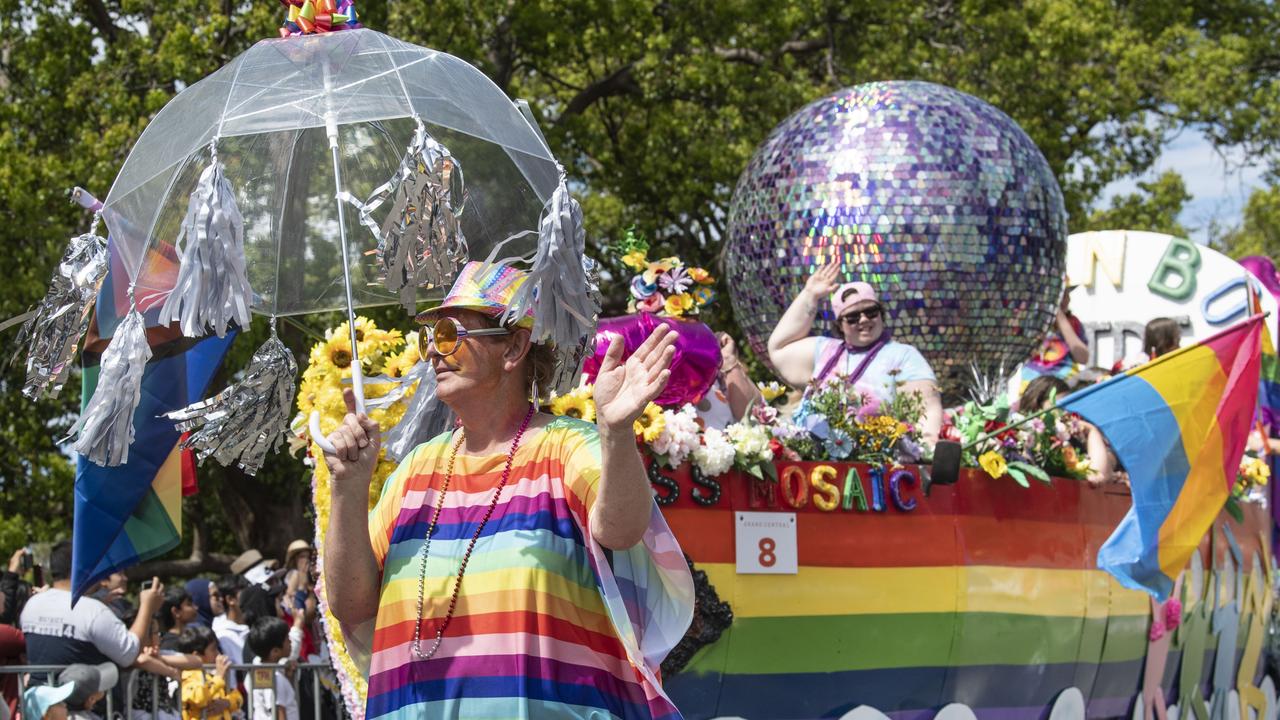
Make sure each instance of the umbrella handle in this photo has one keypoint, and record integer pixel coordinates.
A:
(357, 381)
(317, 436)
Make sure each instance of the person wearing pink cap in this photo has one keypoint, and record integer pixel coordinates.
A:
(865, 355)
(482, 566)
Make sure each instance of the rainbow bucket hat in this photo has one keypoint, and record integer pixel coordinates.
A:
(486, 288)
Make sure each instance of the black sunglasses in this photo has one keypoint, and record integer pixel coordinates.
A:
(855, 316)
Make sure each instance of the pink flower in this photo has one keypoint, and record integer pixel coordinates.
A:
(1173, 614)
(1157, 631)
(654, 303)
(764, 414)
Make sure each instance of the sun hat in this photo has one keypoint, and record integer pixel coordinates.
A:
(295, 547)
(36, 701)
(485, 288)
(850, 294)
(252, 567)
(245, 560)
(87, 680)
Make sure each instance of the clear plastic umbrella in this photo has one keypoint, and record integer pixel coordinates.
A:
(297, 125)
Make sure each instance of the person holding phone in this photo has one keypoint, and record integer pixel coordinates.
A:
(90, 633)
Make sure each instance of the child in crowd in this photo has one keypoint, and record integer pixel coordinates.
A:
(206, 695)
(46, 702)
(91, 684)
(270, 643)
(151, 681)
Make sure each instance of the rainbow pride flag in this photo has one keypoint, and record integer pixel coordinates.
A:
(1268, 377)
(132, 513)
(1179, 424)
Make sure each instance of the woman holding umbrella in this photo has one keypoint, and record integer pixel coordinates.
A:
(483, 563)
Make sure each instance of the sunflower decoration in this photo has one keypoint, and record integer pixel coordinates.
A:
(381, 351)
(650, 424)
(665, 286)
(400, 363)
(577, 404)
(337, 350)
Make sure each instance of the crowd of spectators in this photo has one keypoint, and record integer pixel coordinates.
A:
(164, 651)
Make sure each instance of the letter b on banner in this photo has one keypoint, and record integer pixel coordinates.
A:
(1175, 275)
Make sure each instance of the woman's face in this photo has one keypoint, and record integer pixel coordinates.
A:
(477, 366)
(216, 606)
(863, 323)
(187, 611)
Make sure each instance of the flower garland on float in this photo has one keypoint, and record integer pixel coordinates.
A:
(1039, 449)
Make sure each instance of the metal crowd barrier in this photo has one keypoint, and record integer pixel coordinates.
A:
(245, 676)
(49, 671)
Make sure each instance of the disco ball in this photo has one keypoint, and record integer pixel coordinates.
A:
(933, 196)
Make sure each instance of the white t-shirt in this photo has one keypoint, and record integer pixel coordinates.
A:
(231, 636)
(263, 706)
(895, 363)
(90, 633)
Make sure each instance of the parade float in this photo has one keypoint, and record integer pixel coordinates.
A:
(835, 579)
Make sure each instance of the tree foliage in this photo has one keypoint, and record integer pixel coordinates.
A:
(1259, 230)
(654, 107)
(1154, 207)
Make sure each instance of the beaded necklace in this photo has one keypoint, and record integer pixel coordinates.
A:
(431, 529)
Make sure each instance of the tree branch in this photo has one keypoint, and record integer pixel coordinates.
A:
(502, 51)
(748, 56)
(100, 18)
(619, 82)
(215, 563)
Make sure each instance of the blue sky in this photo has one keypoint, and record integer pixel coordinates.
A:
(1219, 183)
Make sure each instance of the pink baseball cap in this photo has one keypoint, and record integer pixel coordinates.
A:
(850, 294)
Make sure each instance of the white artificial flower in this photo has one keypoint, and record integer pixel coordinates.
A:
(680, 435)
(751, 440)
(715, 455)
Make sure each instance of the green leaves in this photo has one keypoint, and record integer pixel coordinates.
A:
(1025, 469)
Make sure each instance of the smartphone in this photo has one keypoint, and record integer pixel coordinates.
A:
(28, 558)
(147, 584)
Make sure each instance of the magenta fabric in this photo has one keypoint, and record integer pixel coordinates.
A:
(694, 367)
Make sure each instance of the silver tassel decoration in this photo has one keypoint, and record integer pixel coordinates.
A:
(250, 418)
(51, 333)
(106, 425)
(212, 290)
(560, 287)
(423, 419)
(420, 244)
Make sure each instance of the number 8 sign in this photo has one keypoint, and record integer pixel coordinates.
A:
(766, 543)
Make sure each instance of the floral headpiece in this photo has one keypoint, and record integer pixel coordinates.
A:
(664, 287)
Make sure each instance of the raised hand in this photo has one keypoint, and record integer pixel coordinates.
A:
(624, 389)
(221, 665)
(824, 281)
(355, 449)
